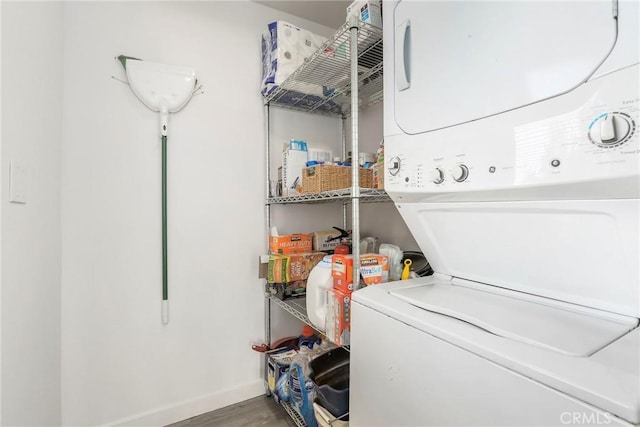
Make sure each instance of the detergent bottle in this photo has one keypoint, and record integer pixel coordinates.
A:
(318, 283)
(308, 338)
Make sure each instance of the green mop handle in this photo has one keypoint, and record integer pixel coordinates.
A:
(164, 119)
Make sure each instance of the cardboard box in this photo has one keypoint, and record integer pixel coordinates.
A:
(369, 11)
(378, 176)
(374, 269)
(293, 267)
(294, 160)
(342, 272)
(320, 238)
(278, 363)
(291, 243)
(338, 320)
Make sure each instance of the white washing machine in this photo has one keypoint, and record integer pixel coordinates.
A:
(513, 156)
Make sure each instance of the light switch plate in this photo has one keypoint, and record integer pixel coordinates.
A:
(17, 182)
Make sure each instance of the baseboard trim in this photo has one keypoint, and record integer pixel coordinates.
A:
(191, 408)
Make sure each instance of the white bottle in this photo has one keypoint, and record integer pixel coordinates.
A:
(318, 283)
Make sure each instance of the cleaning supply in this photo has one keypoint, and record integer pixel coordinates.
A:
(369, 245)
(339, 317)
(318, 283)
(342, 272)
(374, 269)
(394, 254)
(301, 388)
(341, 250)
(419, 264)
(164, 89)
(308, 338)
(281, 390)
(405, 271)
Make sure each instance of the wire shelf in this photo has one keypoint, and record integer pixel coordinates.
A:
(322, 84)
(295, 306)
(297, 419)
(298, 308)
(367, 195)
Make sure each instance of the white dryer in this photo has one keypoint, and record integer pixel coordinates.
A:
(513, 156)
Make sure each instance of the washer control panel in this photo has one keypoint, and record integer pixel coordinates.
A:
(581, 144)
(460, 172)
(394, 166)
(610, 130)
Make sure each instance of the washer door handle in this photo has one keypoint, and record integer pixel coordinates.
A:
(403, 55)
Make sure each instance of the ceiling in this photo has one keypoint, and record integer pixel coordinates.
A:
(331, 13)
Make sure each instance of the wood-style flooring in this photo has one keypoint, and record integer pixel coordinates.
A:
(259, 411)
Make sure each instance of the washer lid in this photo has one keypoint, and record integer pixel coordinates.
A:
(561, 327)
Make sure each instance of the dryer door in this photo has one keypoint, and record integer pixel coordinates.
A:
(456, 61)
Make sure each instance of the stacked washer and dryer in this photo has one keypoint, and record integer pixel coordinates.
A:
(513, 156)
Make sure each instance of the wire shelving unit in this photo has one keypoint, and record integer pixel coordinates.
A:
(341, 78)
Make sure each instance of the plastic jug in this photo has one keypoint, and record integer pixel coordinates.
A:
(318, 283)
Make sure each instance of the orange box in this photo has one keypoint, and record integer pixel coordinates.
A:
(338, 320)
(342, 272)
(291, 243)
(374, 269)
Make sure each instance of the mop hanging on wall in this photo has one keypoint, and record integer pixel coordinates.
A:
(164, 89)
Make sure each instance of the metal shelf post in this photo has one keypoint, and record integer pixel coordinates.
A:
(355, 156)
(267, 214)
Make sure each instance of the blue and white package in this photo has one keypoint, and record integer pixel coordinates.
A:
(284, 48)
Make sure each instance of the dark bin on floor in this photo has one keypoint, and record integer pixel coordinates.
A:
(330, 374)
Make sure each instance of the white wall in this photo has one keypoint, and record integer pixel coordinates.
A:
(119, 362)
(30, 277)
(98, 245)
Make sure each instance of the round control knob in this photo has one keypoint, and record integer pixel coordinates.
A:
(436, 176)
(460, 173)
(394, 166)
(611, 129)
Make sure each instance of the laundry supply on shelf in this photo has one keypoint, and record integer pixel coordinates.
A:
(394, 254)
(278, 363)
(291, 243)
(378, 168)
(342, 272)
(319, 155)
(294, 159)
(301, 388)
(338, 321)
(318, 284)
(374, 269)
(308, 338)
(369, 245)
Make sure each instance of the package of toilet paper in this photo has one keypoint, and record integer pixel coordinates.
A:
(284, 48)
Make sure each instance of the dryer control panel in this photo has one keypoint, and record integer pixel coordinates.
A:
(584, 144)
